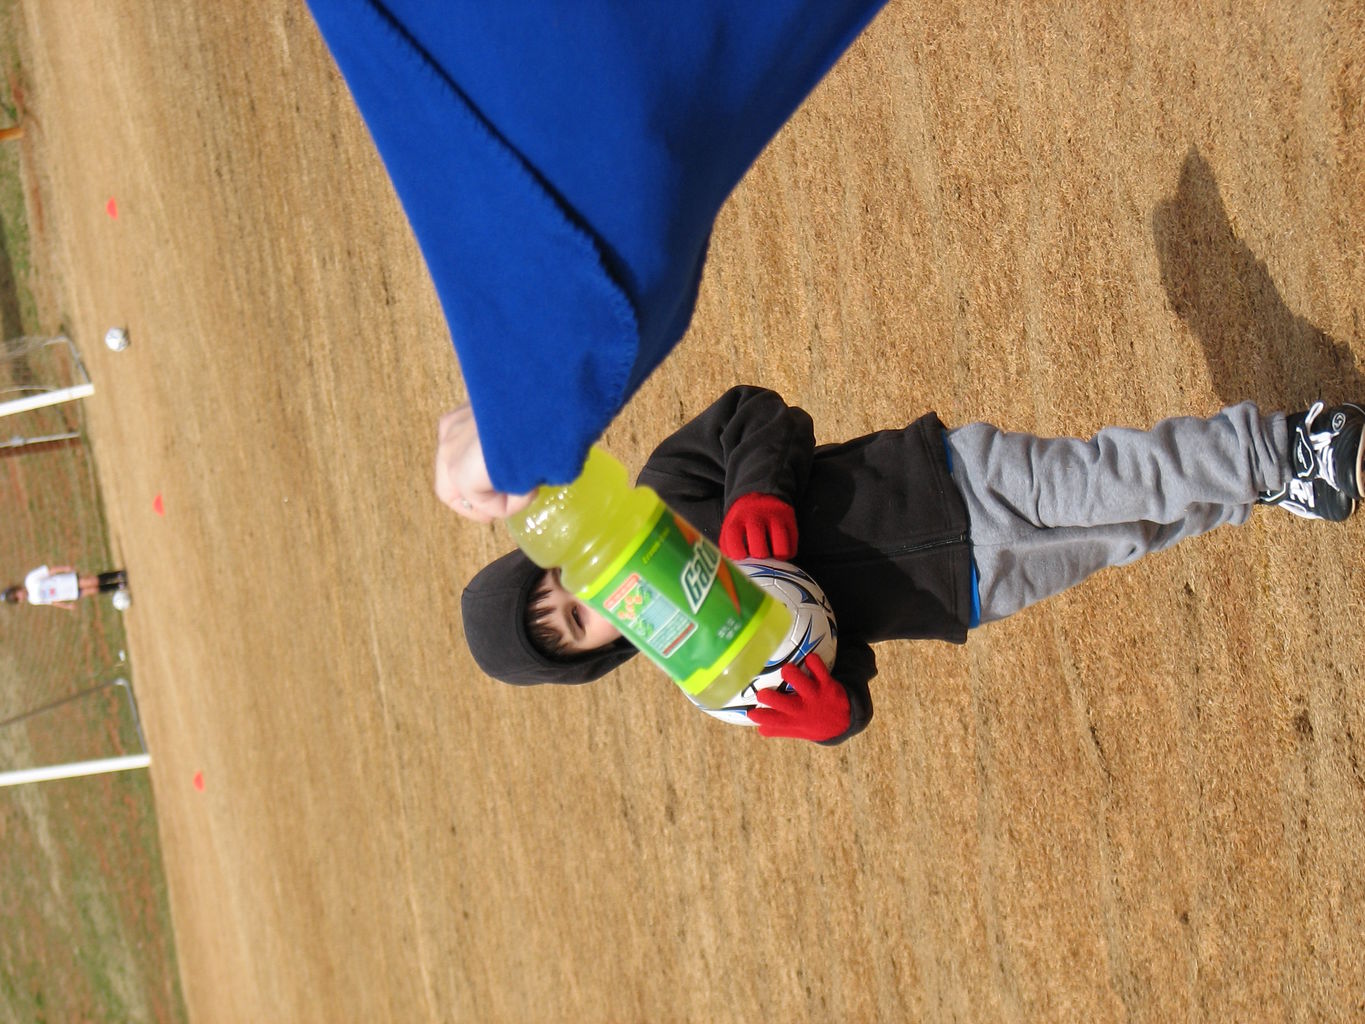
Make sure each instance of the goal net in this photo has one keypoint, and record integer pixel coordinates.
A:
(40, 373)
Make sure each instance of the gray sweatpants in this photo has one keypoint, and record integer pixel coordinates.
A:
(1047, 512)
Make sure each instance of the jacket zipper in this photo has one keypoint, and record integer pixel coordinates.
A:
(930, 545)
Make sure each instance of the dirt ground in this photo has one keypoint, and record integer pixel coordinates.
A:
(1142, 801)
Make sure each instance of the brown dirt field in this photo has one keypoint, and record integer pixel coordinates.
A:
(1142, 801)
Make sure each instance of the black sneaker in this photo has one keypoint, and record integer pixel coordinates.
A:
(1325, 451)
(1311, 499)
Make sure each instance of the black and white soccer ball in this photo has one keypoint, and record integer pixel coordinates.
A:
(813, 630)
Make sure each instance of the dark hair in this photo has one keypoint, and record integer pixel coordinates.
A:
(544, 637)
(11, 596)
(494, 609)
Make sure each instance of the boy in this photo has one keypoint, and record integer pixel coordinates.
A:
(923, 532)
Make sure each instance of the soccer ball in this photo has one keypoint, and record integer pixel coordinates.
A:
(813, 630)
(813, 627)
(121, 599)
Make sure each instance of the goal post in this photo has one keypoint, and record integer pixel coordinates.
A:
(55, 396)
(74, 769)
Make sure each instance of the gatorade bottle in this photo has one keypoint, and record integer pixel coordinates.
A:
(667, 588)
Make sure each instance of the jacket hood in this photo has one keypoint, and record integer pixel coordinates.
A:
(494, 605)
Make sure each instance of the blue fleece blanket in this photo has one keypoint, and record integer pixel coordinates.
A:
(561, 164)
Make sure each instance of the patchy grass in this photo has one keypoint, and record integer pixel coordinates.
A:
(88, 933)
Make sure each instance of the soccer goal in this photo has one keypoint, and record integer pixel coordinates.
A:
(38, 372)
(76, 769)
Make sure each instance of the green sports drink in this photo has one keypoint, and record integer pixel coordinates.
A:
(667, 588)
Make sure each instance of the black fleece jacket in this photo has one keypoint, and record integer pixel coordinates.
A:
(881, 526)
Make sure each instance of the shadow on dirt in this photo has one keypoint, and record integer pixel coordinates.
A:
(1257, 347)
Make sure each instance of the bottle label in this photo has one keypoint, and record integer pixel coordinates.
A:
(673, 595)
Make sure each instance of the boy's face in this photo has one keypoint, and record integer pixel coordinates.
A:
(579, 627)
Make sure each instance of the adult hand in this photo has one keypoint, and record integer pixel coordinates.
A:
(759, 526)
(462, 480)
(816, 709)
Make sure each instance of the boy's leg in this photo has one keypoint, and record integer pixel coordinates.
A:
(1123, 475)
(112, 580)
(1048, 512)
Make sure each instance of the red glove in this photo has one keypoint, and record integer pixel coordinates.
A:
(759, 526)
(817, 710)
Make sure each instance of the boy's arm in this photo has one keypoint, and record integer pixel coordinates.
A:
(825, 706)
(854, 668)
(749, 441)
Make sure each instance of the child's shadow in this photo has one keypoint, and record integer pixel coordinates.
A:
(1257, 348)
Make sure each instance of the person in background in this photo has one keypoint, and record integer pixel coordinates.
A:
(63, 586)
